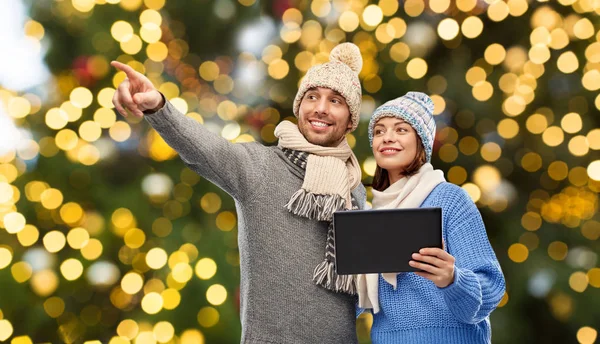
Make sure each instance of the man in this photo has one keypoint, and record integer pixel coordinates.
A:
(285, 197)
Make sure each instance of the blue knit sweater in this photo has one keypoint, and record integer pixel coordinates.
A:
(420, 312)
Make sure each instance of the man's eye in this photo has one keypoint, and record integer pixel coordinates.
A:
(336, 101)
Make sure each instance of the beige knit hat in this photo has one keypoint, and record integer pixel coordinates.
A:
(339, 74)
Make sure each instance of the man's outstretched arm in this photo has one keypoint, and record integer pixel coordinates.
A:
(232, 167)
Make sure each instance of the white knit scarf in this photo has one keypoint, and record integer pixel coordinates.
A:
(331, 175)
(408, 192)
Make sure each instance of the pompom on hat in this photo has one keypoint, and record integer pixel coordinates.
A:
(416, 109)
(339, 74)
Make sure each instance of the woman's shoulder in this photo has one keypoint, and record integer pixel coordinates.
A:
(448, 194)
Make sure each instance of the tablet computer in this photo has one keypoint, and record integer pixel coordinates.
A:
(383, 240)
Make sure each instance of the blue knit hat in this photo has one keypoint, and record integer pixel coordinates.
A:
(416, 109)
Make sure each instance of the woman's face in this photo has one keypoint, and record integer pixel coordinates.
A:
(394, 145)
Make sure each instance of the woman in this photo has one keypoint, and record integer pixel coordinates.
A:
(450, 301)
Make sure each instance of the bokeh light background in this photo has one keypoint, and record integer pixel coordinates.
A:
(105, 236)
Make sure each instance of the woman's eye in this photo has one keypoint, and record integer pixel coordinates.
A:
(378, 132)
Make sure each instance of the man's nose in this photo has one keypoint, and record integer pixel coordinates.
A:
(323, 106)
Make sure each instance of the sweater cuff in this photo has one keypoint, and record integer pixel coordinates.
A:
(464, 285)
(164, 116)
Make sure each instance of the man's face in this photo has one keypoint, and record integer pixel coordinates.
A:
(324, 117)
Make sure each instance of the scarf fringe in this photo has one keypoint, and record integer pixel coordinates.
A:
(319, 207)
(325, 276)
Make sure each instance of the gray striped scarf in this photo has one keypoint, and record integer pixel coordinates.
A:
(324, 273)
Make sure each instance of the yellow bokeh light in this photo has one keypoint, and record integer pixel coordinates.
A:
(216, 294)
(531, 162)
(54, 307)
(21, 272)
(120, 131)
(81, 97)
(132, 283)
(151, 33)
(591, 80)
(518, 253)
(567, 62)
(73, 111)
(44, 282)
(206, 268)
(439, 6)
(192, 337)
(593, 170)
(71, 269)
(83, 5)
(508, 128)
(34, 29)
(399, 26)
(210, 203)
(78, 238)
(5, 257)
(56, 118)
(171, 298)
(152, 303)
(135, 238)
(498, 11)
(578, 281)
(457, 175)
(121, 31)
(132, 46)
(487, 177)
(416, 68)
(578, 145)
(105, 118)
(128, 328)
(558, 170)
(28, 236)
(587, 335)
(491, 151)
(399, 52)
(163, 331)
(92, 250)
(448, 29)
(472, 27)
(473, 191)
(531, 221)
(483, 91)
(150, 16)
(475, 75)
(71, 212)
(278, 69)
(593, 138)
(558, 250)
(495, 54)
(414, 8)
(157, 51)
(19, 107)
(54, 241)
(466, 5)
(208, 317)
(583, 29)
(156, 258)
(372, 15)
(182, 272)
(539, 54)
(6, 329)
(553, 136)
(536, 123)
(14, 222)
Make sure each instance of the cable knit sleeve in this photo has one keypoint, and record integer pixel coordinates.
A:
(478, 283)
(232, 167)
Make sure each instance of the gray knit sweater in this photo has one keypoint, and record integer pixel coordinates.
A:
(278, 250)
